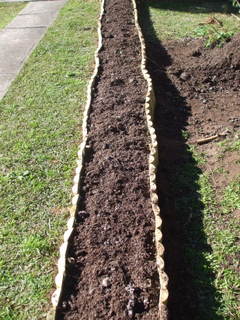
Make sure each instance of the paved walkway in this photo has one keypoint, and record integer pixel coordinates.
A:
(21, 36)
(25, 0)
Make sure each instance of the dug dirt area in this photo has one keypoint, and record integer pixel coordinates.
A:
(111, 268)
(208, 85)
(198, 102)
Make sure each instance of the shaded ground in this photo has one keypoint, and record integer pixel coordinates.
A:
(197, 92)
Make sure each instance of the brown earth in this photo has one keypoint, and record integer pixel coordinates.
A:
(210, 82)
(197, 91)
(111, 265)
(211, 86)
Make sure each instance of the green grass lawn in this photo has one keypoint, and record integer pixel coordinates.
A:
(8, 11)
(213, 252)
(180, 19)
(40, 127)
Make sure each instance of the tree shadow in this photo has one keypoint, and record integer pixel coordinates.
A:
(194, 6)
(191, 279)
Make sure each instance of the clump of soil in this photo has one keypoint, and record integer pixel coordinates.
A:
(111, 265)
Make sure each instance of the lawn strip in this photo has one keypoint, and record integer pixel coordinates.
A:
(180, 19)
(8, 11)
(40, 134)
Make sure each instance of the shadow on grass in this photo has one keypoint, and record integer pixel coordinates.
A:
(191, 280)
(193, 6)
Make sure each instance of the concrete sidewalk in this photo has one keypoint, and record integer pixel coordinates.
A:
(21, 36)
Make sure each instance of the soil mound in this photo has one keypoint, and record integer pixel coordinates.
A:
(216, 69)
(208, 81)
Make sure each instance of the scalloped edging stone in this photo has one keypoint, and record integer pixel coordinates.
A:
(153, 158)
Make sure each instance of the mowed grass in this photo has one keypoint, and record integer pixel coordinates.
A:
(212, 235)
(8, 11)
(181, 19)
(40, 130)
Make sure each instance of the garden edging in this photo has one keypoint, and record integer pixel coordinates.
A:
(153, 158)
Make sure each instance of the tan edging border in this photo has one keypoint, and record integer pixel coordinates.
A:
(76, 181)
(153, 159)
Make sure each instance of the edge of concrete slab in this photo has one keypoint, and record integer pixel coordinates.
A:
(22, 36)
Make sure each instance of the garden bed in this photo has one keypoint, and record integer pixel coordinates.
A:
(111, 260)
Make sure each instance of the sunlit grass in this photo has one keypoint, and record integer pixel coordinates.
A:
(180, 19)
(8, 11)
(40, 131)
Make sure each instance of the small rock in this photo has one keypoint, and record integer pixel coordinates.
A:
(214, 78)
(146, 303)
(91, 290)
(184, 76)
(225, 132)
(106, 282)
(71, 260)
(130, 307)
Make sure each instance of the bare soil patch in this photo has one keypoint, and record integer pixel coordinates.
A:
(209, 82)
(209, 79)
(111, 264)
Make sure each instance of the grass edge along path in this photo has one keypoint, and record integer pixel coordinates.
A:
(40, 130)
(8, 11)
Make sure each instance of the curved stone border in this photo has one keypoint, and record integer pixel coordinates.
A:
(76, 181)
(153, 159)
